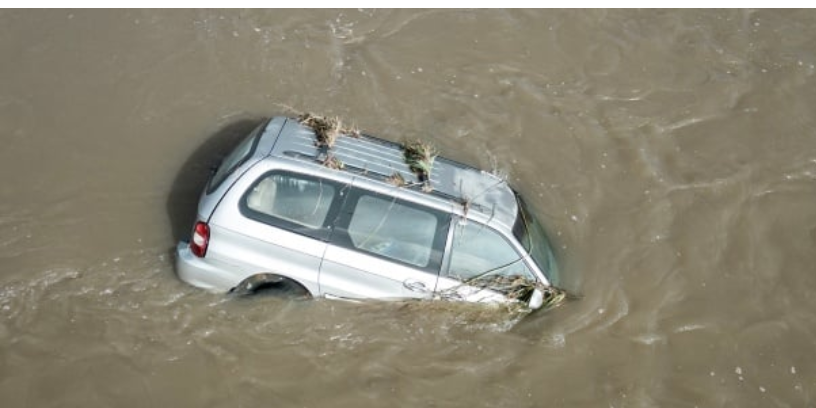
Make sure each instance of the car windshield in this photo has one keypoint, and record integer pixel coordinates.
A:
(532, 236)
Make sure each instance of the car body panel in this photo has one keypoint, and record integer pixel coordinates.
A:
(347, 273)
(255, 247)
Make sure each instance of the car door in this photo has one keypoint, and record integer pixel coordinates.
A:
(383, 248)
(480, 258)
(281, 226)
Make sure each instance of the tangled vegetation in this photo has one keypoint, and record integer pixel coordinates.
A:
(419, 156)
(326, 129)
(518, 289)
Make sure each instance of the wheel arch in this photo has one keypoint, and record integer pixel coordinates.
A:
(270, 282)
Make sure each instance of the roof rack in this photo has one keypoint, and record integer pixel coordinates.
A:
(380, 159)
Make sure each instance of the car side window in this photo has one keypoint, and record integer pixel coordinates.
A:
(478, 251)
(292, 201)
(397, 230)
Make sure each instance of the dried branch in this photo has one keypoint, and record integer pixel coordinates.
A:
(333, 162)
(396, 179)
(517, 289)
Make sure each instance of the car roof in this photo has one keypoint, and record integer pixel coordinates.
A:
(378, 159)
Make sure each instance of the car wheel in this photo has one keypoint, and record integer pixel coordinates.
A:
(269, 284)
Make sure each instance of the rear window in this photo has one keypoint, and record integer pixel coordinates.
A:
(236, 158)
(296, 202)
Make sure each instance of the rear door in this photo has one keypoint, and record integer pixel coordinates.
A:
(383, 248)
(277, 221)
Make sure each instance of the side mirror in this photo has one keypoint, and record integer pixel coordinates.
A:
(536, 299)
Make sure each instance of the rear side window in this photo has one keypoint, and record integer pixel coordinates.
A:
(295, 202)
(236, 158)
(393, 229)
(479, 251)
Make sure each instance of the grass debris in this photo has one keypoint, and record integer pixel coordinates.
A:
(326, 129)
(419, 156)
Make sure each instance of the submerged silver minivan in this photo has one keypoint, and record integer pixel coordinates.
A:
(276, 216)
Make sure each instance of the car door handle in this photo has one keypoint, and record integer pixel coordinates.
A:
(415, 285)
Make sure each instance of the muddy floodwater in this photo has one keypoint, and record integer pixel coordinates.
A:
(671, 155)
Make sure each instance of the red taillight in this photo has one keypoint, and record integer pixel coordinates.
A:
(201, 238)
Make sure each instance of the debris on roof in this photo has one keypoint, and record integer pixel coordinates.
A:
(326, 129)
(419, 156)
(396, 179)
(333, 162)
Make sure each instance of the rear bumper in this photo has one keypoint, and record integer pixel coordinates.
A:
(198, 272)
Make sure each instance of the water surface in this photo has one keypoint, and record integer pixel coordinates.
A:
(671, 155)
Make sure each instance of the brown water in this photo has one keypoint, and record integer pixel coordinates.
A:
(672, 155)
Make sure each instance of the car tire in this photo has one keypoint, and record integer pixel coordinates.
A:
(270, 284)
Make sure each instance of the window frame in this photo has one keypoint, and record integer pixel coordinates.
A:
(341, 237)
(213, 184)
(449, 248)
(323, 233)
